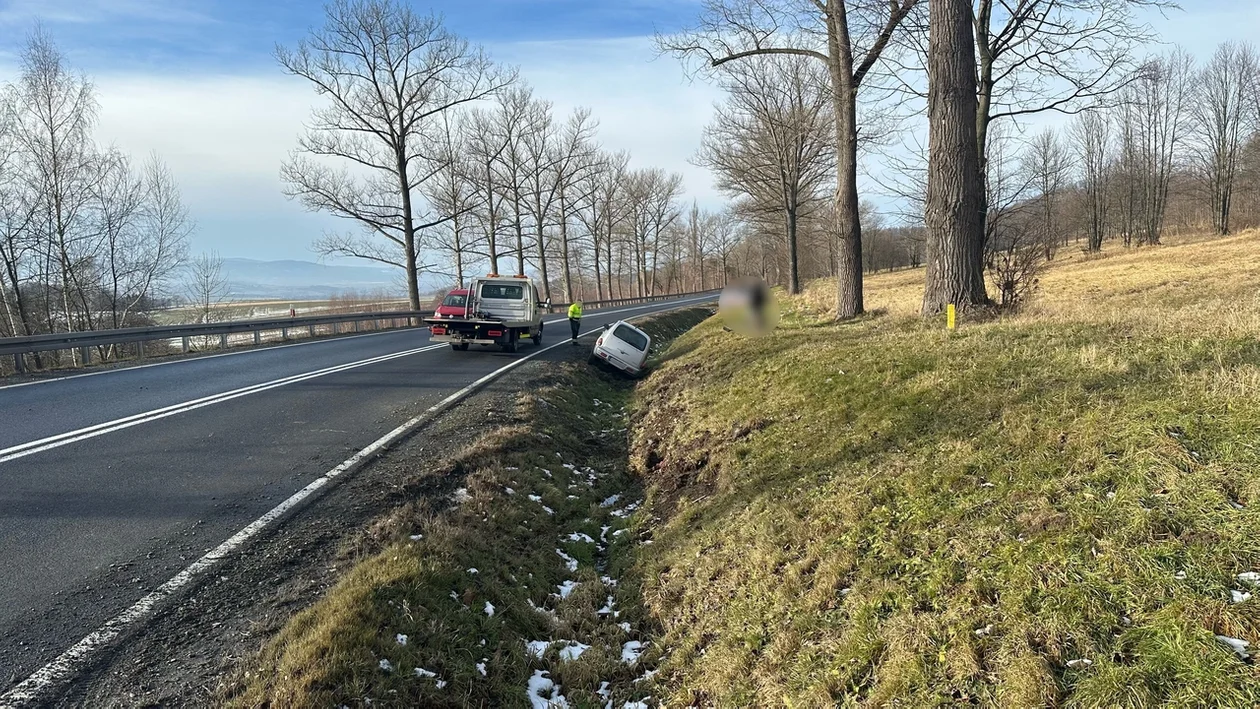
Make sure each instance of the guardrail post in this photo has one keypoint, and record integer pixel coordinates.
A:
(139, 350)
(310, 329)
(257, 337)
(336, 328)
(85, 354)
(184, 345)
(223, 341)
(19, 364)
(284, 333)
(356, 325)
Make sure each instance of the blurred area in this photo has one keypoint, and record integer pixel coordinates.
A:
(748, 306)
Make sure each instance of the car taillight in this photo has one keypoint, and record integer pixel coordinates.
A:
(599, 342)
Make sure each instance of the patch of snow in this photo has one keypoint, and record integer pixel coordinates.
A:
(646, 676)
(1111, 494)
(461, 496)
(1081, 662)
(489, 609)
(472, 571)
(620, 532)
(454, 596)
(548, 510)
(986, 484)
(603, 690)
(511, 468)
(535, 498)
(421, 672)
(385, 665)
(1250, 577)
(440, 683)
(537, 648)
(1236, 506)
(573, 497)
(1180, 576)
(400, 639)
(630, 652)
(625, 627)
(569, 561)
(417, 537)
(1238, 645)
(608, 607)
(610, 501)
(580, 537)
(572, 650)
(1239, 596)
(481, 667)
(509, 491)
(981, 632)
(567, 587)
(608, 580)
(636, 705)
(543, 693)
(570, 466)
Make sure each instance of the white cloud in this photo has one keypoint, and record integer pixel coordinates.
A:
(225, 136)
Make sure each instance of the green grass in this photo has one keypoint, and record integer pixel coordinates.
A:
(331, 653)
(843, 507)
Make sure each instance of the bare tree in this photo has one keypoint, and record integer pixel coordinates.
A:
(388, 74)
(601, 210)
(1224, 113)
(1091, 135)
(771, 141)
(954, 204)
(1156, 114)
(1046, 164)
(848, 37)
(454, 194)
(206, 286)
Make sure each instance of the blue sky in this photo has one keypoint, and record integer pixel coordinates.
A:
(195, 81)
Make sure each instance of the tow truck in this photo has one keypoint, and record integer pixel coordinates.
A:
(499, 310)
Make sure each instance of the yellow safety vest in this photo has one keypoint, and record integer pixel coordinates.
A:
(575, 311)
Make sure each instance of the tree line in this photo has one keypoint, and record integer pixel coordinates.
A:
(816, 88)
(445, 162)
(89, 238)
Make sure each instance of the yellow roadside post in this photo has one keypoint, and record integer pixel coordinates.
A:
(949, 316)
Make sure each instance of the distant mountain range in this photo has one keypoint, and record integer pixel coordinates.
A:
(250, 279)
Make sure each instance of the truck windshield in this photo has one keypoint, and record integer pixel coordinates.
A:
(456, 301)
(631, 337)
(502, 291)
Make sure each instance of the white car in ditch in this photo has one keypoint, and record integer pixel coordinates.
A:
(623, 346)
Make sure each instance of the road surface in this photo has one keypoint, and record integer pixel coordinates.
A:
(112, 483)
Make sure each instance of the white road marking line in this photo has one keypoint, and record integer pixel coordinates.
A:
(31, 447)
(67, 665)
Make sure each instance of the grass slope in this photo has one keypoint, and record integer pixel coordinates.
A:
(1050, 510)
(442, 616)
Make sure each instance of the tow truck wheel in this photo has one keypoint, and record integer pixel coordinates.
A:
(537, 337)
(510, 345)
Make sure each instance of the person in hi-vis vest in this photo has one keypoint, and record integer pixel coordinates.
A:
(575, 319)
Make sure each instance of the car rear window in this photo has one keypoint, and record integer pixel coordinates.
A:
(456, 301)
(631, 337)
(502, 291)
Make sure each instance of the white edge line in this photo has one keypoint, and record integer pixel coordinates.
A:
(67, 665)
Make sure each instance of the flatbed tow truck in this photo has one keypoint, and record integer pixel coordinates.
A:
(499, 310)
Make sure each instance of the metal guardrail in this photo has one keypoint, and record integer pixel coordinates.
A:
(84, 341)
(19, 347)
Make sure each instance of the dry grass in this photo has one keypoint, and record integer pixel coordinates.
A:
(1048, 510)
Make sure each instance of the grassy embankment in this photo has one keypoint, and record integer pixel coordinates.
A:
(1049, 510)
(530, 548)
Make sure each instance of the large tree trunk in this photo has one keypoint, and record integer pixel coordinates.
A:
(953, 210)
(848, 222)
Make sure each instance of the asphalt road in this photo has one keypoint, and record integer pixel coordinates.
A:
(112, 483)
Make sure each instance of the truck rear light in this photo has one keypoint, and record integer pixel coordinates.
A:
(494, 333)
(438, 329)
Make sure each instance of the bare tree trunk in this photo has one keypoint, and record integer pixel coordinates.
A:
(955, 259)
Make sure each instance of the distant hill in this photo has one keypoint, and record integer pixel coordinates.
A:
(307, 280)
